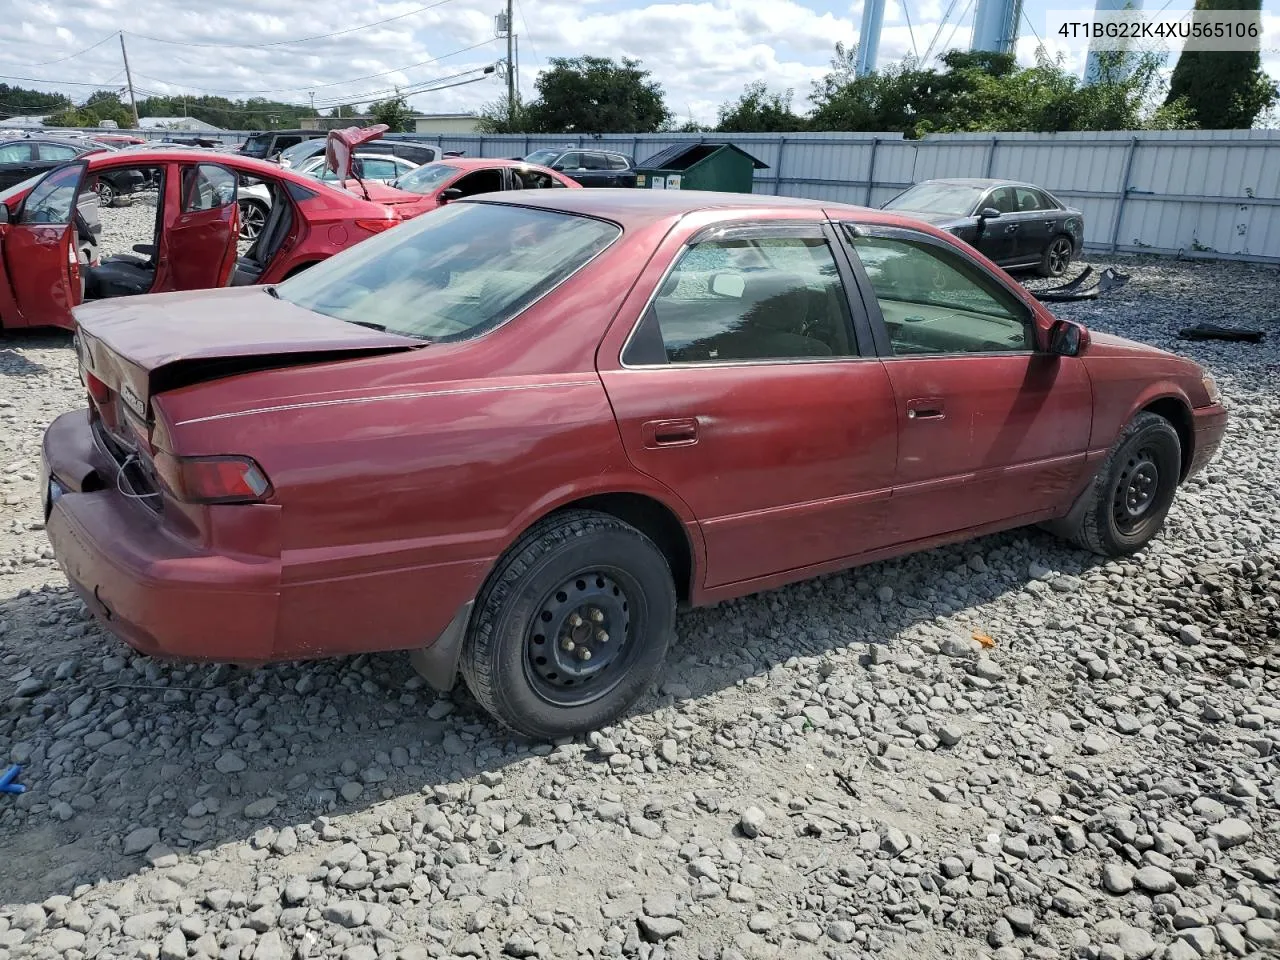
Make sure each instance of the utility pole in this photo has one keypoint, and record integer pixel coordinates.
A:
(133, 101)
(313, 105)
(511, 72)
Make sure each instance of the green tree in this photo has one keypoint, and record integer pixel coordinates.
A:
(758, 110)
(498, 117)
(596, 95)
(394, 112)
(1223, 89)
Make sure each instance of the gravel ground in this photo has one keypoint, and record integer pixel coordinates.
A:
(134, 223)
(839, 769)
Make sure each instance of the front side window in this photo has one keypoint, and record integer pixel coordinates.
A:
(570, 161)
(763, 298)
(482, 181)
(1003, 199)
(58, 151)
(454, 274)
(523, 178)
(207, 187)
(54, 198)
(935, 302)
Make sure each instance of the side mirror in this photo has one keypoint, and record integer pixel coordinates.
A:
(728, 285)
(1066, 339)
(989, 213)
(453, 193)
(4, 213)
(558, 167)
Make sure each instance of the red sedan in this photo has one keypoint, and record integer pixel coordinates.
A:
(193, 241)
(512, 436)
(434, 184)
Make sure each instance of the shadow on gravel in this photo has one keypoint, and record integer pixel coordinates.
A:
(14, 364)
(208, 755)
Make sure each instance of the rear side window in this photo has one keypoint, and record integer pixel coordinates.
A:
(595, 161)
(1028, 199)
(764, 298)
(934, 302)
(616, 162)
(58, 151)
(207, 187)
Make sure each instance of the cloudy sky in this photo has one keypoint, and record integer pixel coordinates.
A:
(703, 51)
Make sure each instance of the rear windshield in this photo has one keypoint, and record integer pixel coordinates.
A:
(426, 178)
(300, 151)
(947, 199)
(454, 274)
(256, 146)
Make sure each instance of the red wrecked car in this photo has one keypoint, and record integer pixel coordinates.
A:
(513, 435)
(432, 185)
(193, 241)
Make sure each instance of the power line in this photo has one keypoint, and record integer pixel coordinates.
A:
(527, 32)
(317, 86)
(278, 43)
(70, 56)
(424, 86)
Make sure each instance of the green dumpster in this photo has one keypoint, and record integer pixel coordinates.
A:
(699, 166)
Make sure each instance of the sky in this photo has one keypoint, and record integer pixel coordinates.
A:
(702, 51)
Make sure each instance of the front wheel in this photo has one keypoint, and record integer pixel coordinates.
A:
(1133, 489)
(571, 626)
(106, 193)
(1056, 257)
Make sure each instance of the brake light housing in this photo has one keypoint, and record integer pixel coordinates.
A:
(98, 391)
(221, 479)
(377, 226)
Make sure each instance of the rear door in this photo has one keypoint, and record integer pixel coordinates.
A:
(742, 388)
(198, 244)
(38, 253)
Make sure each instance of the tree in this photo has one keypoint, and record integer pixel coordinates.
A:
(596, 95)
(394, 112)
(101, 105)
(1223, 89)
(498, 117)
(758, 110)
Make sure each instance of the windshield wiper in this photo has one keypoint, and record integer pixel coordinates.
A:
(272, 290)
(380, 327)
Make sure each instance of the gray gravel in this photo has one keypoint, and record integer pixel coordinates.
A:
(833, 770)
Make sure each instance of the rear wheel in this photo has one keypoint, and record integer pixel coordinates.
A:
(1057, 256)
(106, 192)
(1133, 489)
(572, 625)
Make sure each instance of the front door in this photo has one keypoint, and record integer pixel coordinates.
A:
(743, 390)
(990, 428)
(39, 253)
(199, 244)
(1035, 225)
(998, 239)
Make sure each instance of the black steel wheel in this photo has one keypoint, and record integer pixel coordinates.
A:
(253, 217)
(1057, 256)
(571, 626)
(1125, 506)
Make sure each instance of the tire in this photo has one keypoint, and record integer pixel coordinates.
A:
(1057, 256)
(106, 193)
(581, 564)
(253, 217)
(1130, 496)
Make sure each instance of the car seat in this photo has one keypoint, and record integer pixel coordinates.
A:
(274, 232)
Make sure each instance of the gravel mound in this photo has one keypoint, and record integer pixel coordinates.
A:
(1003, 749)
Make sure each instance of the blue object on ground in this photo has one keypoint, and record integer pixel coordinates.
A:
(6, 781)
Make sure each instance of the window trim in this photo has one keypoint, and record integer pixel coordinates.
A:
(812, 229)
(880, 332)
(185, 196)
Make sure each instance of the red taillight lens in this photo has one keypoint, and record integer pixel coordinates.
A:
(213, 479)
(376, 226)
(98, 390)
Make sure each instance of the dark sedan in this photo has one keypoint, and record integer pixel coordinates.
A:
(24, 157)
(1015, 224)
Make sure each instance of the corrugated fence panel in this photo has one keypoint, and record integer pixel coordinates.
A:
(1210, 193)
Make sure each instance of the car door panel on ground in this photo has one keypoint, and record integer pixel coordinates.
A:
(741, 389)
(199, 243)
(990, 428)
(39, 252)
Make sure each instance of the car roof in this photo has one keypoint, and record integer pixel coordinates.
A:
(981, 182)
(639, 208)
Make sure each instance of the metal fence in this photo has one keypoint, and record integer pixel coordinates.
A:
(1213, 194)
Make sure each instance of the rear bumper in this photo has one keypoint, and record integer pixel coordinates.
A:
(1208, 425)
(160, 594)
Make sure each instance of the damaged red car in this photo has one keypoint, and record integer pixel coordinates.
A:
(513, 436)
(193, 238)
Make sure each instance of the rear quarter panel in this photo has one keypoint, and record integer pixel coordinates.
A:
(402, 478)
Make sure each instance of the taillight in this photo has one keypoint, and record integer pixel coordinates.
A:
(98, 390)
(376, 226)
(213, 479)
